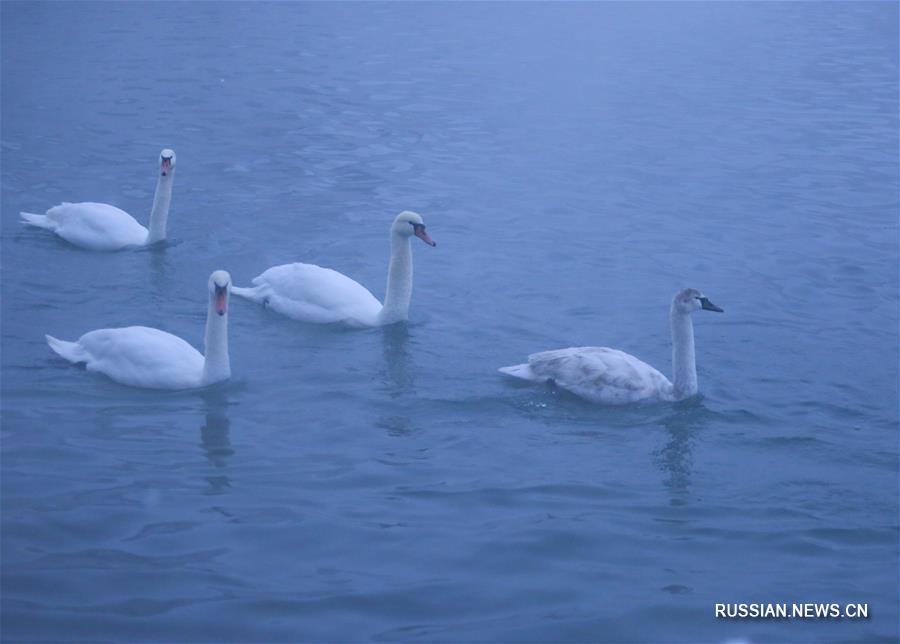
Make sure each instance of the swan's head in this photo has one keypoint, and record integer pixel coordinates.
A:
(690, 300)
(167, 162)
(219, 290)
(409, 223)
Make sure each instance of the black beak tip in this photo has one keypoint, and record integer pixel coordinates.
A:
(434, 244)
(706, 305)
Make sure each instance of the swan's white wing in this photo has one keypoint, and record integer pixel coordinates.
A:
(315, 294)
(97, 226)
(143, 357)
(600, 374)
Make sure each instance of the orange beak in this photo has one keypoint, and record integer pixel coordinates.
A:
(221, 300)
(165, 166)
(425, 237)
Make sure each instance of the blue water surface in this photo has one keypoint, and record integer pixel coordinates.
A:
(577, 163)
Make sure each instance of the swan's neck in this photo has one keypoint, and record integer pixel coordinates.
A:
(160, 213)
(216, 367)
(684, 366)
(399, 282)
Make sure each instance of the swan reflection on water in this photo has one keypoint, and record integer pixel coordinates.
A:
(396, 426)
(675, 458)
(397, 359)
(215, 438)
(397, 374)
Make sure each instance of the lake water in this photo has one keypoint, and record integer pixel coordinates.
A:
(577, 164)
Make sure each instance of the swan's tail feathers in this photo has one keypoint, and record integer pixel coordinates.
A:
(41, 221)
(71, 351)
(522, 371)
(250, 293)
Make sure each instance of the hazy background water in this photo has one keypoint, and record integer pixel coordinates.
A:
(577, 164)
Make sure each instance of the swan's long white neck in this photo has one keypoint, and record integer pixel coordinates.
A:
(684, 366)
(399, 281)
(217, 365)
(160, 213)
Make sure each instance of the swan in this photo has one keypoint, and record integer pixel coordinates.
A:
(143, 357)
(311, 293)
(99, 226)
(612, 377)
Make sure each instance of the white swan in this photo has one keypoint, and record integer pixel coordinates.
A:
(99, 226)
(613, 377)
(311, 293)
(143, 357)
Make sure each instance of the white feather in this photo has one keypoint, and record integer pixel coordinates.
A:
(140, 356)
(613, 377)
(311, 293)
(599, 374)
(95, 226)
(102, 227)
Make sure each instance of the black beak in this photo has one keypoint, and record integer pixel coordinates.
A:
(706, 305)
